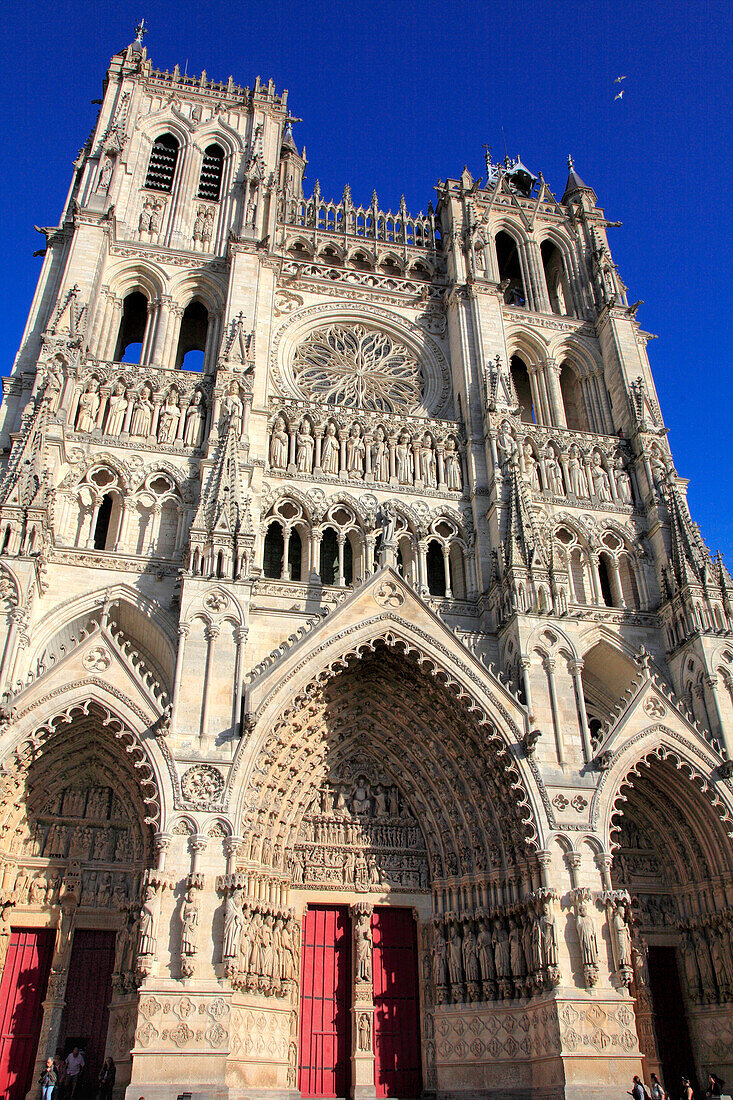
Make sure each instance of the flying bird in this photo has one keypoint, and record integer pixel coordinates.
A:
(620, 94)
(619, 79)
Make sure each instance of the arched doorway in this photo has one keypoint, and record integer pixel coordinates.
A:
(401, 843)
(675, 860)
(74, 844)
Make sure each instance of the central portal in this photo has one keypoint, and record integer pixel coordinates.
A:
(327, 999)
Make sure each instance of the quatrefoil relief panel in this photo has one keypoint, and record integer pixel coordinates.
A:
(361, 358)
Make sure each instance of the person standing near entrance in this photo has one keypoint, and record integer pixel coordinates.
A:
(658, 1092)
(107, 1079)
(638, 1090)
(48, 1081)
(687, 1090)
(74, 1066)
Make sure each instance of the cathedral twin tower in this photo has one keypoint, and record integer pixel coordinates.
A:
(367, 690)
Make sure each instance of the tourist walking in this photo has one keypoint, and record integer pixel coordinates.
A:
(48, 1081)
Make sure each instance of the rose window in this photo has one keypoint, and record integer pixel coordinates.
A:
(358, 368)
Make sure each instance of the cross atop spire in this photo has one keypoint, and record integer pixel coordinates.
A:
(140, 31)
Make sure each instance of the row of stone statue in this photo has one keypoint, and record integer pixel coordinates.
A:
(496, 956)
(139, 414)
(383, 456)
(80, 842)
(353, 868)
(707, 953)
(260, 946)
(376, 834)
(566, 473)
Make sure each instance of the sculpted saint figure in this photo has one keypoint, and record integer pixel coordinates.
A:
(330, 450)
(623, 482)
(170, 414)
(600, 479)
(363, 949)
(148, 918)
(117, 407)
(304, 456)
(554, 475)
(501, 949)
(549, 937)
(587, 935)
(530, 467)
(279, 446)
(86, 416)
(195, 416)
(578, 485)
(621, 934)
(189, 924)
(470, 956)
(380, 455)
(485, 949)
(405, 463)
(452, 465)
(355, 449)
(440, 958)
(427, 457)
(142, 414)
(232, 410)
(233, 924)
(455, 960)
(516, 955)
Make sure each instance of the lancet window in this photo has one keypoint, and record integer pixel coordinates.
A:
(212, 170)
(162, 163)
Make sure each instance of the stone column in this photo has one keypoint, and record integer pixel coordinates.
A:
(549, 667)
(55, 1002)
(211, 633)
(240, 640)
(362, 1011)
(576, 667)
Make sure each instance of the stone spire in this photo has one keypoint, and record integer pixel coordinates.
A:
(575, 185)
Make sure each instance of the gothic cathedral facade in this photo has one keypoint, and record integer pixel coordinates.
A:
(367, 713)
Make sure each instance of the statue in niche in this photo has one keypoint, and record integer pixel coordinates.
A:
(623, 482)
(361, 803)
(485, 951)
(588, 942)
(380, 456)
(288, 940)
(97, 804)
(279, 446)
(455, 956)
(501, 949)
(232, 410)
(721, 964)
(380, 802)
(268, 960)
(304, 453)
(405, 461)
(54, 383)
(704, 965)
(621, 934)
(330, 451)
(195, 417)
(531, 475)
(104, 890)
(100, 848)
(690, 961)
(439, 954)
(189, 923)
(601, 483)
(452, 465)
(470, 955)
(37, 892)
(233, 924)
(427, 458)
(578, 485)
(549, 934)
(355, 449)
(363, 966)
(142, 414)
(365, 1042)
(554, 475)
(105, 174)
(516, 955)
(86, 416)
(170, 415)
(506, 444)
(148, 920)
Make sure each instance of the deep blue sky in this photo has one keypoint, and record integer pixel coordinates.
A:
(395, 96)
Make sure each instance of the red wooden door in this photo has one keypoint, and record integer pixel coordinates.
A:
(88, 993)
(396, 1013)
(22, 991)
(325, 1047)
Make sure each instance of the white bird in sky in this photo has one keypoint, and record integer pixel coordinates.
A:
(619, 79)
(620, 94)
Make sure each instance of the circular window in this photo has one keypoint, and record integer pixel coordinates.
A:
(359, 368)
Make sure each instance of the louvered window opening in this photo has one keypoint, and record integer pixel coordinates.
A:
(211, 173)
(162, 166)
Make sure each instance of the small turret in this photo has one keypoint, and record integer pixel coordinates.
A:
(575, 188)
